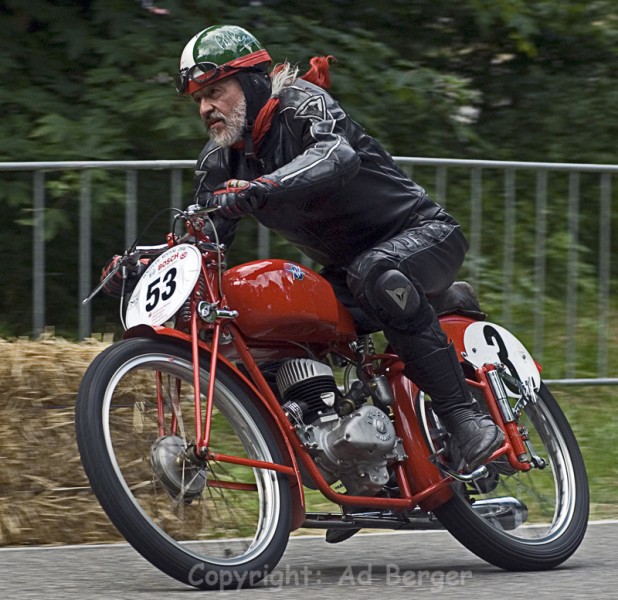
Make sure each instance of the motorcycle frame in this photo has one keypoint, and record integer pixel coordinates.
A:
(420, 479)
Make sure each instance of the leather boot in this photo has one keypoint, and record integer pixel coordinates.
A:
(439, 374)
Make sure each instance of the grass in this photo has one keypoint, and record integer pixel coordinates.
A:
(592, 414)
(44, 494)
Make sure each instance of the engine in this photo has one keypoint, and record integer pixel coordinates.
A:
(350, 440)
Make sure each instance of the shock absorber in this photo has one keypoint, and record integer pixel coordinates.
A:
(183, 316)
(508, 416)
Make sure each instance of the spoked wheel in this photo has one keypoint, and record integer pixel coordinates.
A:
(205, 523)
(524, 520)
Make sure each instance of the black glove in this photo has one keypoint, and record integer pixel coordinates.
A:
(238, 197)
(114, 287)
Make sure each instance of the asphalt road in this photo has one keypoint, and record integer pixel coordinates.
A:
(390, 565)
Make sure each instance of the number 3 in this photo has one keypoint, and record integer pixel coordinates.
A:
(170, 281)
(492, 337)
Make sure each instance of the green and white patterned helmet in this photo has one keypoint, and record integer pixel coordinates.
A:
(218, 52)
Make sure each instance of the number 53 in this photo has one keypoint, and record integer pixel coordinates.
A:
(155, 293)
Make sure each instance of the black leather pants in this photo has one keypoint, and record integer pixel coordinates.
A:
(430, 256)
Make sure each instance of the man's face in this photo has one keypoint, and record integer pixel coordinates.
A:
(223, 110)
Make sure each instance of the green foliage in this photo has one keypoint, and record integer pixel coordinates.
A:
(92, 80)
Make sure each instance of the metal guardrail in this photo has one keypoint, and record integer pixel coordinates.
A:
(85, 230)
(542, 169)
(583, 382)
(476, 170)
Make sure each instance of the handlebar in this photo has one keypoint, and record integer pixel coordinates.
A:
(195, 210)
(146, 252)
(131, 257)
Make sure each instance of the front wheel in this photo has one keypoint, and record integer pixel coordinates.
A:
(526, 520)
(208, 524)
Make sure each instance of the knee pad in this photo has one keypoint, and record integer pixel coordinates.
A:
(390, 297)
(398, 301)
(394, 294)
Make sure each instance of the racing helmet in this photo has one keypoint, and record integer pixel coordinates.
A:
(217, 52)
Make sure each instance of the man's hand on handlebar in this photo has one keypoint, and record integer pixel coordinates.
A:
(237, 197)
(127, 269)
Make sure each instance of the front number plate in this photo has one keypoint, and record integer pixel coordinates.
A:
(164, 286)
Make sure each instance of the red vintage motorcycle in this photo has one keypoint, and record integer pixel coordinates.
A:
(236, 390)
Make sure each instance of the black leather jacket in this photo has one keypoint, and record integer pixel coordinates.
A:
(339, 192)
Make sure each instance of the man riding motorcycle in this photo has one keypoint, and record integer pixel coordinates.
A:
(283, 151)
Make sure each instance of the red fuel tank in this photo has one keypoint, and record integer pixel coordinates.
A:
(282, 300)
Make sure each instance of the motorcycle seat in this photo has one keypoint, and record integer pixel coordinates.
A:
(459, 299)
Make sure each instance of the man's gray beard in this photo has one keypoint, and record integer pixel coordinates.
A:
(234, 125)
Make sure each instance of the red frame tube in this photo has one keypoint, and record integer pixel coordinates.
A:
(160, 405)
(203, 443)
(197, 399)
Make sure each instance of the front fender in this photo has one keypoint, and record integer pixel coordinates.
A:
(179, 337)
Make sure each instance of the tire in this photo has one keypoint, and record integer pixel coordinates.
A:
(210, 525)
(532, 520)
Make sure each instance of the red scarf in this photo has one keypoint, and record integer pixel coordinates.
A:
(318, 73)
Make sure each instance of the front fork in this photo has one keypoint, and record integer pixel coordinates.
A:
(213, 316)
(200, 451)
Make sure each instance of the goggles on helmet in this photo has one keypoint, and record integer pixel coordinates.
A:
(200, 73)
(203, 73)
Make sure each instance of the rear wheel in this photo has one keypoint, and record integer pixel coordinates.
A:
(526, 520)
(208, 524)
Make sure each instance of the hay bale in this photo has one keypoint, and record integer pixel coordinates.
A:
(44, 494)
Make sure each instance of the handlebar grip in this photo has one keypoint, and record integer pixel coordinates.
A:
(147, 251)
(195, 210)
